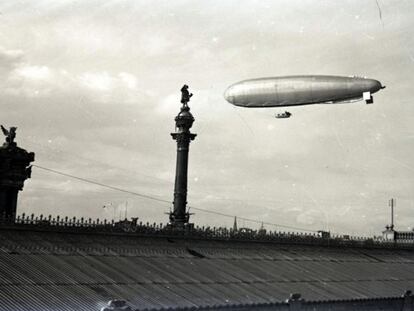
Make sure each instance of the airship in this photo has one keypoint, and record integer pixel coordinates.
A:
(301, 90)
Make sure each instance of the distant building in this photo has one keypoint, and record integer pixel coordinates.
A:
(405, 236)
(389, 234)
(324, 234)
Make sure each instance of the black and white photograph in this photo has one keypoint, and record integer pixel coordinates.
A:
(206, 155)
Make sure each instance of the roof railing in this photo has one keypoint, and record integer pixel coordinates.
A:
(132, 226)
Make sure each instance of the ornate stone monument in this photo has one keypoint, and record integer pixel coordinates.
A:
(179, 217)
(14, 170)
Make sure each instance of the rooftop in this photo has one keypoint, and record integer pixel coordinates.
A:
(73, 265)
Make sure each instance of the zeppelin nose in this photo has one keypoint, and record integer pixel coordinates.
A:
(374, 86)
(229, 94)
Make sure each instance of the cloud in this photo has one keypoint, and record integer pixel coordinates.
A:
(33, 72)
(98, 81)
(9, 58)
(41, 81)
(129, 79)
(106, 87)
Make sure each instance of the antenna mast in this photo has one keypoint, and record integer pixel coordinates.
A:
(392, 203)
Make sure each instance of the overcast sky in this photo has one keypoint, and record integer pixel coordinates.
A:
(93, 88)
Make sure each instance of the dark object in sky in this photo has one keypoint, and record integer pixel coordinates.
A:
(301, 90)
(185, 95)
(283, 115)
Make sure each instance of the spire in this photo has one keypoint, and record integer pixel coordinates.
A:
(235, 224)
(392, 205)
(262, 229)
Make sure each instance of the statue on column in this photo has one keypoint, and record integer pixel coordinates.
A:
(10, 134)
(185, 95)
(179, 217)
(15, 168)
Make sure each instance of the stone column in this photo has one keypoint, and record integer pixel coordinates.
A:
(179, 217)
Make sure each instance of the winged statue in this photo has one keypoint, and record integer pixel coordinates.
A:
(10, 133)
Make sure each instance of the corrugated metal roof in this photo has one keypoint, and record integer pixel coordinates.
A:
(68, 271)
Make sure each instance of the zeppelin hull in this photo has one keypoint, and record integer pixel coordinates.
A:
(299, 90)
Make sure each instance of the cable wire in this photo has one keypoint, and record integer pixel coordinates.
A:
(103, 185)
(162, 200)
